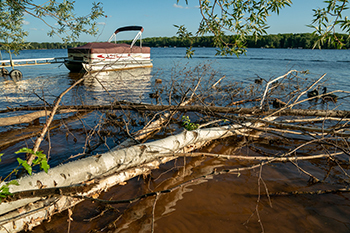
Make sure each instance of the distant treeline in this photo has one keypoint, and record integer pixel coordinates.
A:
(304, 40)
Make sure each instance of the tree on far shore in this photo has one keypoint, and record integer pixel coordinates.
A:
(244, 18)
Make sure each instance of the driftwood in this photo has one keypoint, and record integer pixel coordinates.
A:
(40, 196)
(103, 171)
(32, 130)
(189, 108)
(28, 118)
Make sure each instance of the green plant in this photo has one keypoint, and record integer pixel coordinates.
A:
(40, 159)
(187, 124)
(65, 23)
(5, 190)
(242, 19)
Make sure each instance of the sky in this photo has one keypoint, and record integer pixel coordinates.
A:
(158, 17)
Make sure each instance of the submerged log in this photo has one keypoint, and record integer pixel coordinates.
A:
(99, 173)
(187, 108)
(28, 118)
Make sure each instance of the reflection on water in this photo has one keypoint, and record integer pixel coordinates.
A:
(30, 91)
(100, 88)
(128, 85)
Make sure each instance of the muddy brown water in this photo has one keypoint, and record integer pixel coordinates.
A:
(222, 203)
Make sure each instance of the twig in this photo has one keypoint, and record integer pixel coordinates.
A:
(274, 80)
(281, 158)
(317, 192)
(153, 210)
(314, 178)
(216, 83)
(49, 120)
(258, 201)
(302, 93)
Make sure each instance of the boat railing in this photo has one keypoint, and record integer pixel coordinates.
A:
(139, 35)
(128, 28)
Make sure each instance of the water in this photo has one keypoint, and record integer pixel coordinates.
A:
(264, 63)
(226, 203)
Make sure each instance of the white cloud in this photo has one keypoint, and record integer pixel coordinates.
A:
(101, 23)
(177, 6)
(25, 22)
(33, 29)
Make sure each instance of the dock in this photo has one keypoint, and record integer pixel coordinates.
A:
(32, 62)
(15, 73)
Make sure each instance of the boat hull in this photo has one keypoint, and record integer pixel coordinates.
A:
(118, 65)
(74, 66)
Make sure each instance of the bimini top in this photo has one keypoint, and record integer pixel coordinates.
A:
(129, 28)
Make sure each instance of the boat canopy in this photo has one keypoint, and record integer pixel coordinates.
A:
(128, 28)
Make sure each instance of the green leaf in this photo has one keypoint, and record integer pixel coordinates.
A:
(25, 150)
(13, 182)
(25, 165)
(5, 190)
(44, 165)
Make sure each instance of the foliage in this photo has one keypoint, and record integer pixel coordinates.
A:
(304, 40)
(325, 22)
(187, 124)
(68, 27)
(40, 159)
(5, 190)
(243, 18)
(11, 19)
(185, 35)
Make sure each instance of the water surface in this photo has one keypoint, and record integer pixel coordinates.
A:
(225, 203)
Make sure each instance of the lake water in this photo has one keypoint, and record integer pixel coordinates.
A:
(226, 203)
(264, 63)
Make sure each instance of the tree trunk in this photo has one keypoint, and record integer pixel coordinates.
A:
(100, 172)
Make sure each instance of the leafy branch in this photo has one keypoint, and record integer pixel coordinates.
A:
(40, 159)
(327, 19)
(69, 26)
(244, 18)
(187, 124)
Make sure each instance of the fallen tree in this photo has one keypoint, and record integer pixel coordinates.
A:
(122, 164)
(41, 195)
(191, 108)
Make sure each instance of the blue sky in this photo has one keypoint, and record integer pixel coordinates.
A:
(158, 17)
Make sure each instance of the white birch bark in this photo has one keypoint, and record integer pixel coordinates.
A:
(104, 171)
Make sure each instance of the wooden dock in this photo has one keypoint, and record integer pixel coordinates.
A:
(31, 62)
